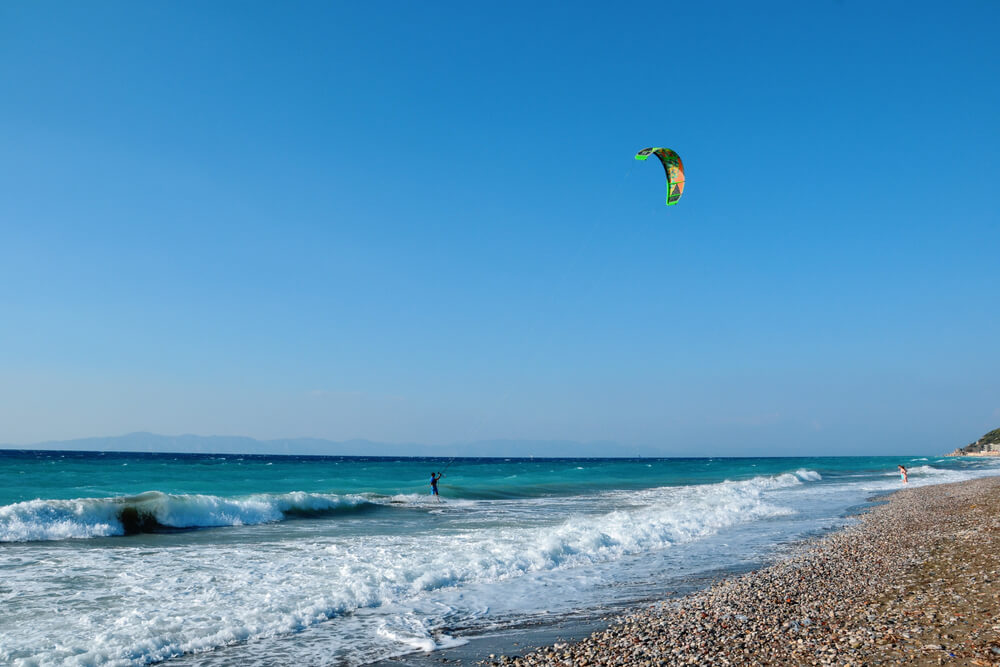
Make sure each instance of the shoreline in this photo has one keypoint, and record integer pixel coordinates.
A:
(480, 649)
(915, 581)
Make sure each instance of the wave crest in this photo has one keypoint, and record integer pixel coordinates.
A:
(153, 511)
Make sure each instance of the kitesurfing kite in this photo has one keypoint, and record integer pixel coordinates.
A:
(673, 166)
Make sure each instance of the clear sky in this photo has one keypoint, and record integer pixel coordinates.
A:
(422, 222)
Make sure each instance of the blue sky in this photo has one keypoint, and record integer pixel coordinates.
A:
(422, 222)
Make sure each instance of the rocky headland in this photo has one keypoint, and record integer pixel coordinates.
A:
(988, 445)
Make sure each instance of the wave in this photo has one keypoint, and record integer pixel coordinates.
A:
(231, 591)
(153, 511)
(929, 470)
(926, 475)
(157, 512)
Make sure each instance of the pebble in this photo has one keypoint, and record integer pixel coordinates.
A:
(916, 579)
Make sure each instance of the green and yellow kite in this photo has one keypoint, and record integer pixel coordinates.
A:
(673, 166)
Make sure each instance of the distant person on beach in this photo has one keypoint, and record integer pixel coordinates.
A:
(435, 476)
(902, 475)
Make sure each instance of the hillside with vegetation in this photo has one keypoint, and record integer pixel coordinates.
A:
(988, 445)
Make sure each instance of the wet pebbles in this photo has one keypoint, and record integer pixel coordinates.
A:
(915, 581)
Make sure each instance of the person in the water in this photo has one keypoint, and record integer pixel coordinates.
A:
(435, 476)
(903, 475)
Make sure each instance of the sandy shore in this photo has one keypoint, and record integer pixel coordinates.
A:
(915, 582)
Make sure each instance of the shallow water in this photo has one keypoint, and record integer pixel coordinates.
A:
(129, 559)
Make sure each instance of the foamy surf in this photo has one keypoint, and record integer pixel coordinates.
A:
(269, 591)
(154, 511)
(362, 574)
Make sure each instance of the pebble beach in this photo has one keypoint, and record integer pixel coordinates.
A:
(916, 581)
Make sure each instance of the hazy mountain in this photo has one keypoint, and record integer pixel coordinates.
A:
(216, 444)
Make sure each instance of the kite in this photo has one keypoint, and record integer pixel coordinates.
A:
(673, 166)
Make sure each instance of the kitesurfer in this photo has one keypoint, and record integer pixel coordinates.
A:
(435, 476)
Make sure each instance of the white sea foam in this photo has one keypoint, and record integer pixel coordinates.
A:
(37, 520)
(925, 475)
(196, 597)
(412, 632)
(146, 601)
(928, 474)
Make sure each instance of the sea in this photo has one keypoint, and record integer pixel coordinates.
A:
(135, 559)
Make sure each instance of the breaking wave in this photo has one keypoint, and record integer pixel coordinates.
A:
(154, 511)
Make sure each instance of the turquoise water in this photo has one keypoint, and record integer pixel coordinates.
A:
(129, 559)
(65, 475)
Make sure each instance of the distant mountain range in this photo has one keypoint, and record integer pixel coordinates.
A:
(215, 444)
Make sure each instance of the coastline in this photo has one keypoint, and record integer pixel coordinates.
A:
(915, 581)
